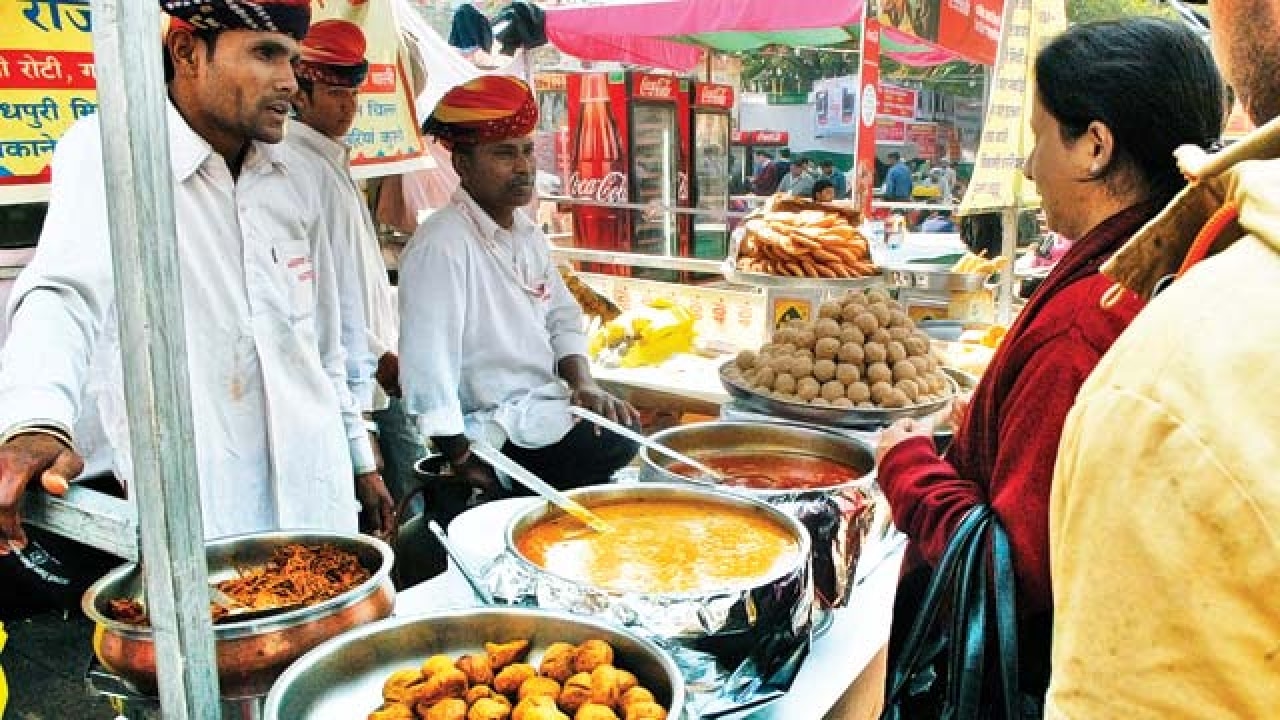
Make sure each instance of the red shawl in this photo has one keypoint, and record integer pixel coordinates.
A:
(1004, 453)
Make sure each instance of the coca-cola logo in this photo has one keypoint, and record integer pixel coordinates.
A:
(610, 188)
(656, 86)
(771, 137)
(715, 95)
(682, 185)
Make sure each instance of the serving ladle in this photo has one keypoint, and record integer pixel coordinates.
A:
(494, 457)
(632, 435)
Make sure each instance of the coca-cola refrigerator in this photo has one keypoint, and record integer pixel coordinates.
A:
(711, 107)
(630, 145)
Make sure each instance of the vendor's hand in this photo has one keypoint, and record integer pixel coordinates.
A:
(23, 459)
(900, 431)
(388, 374)
(475, 473)
(594, 398)
(379, 462)
(376, 504)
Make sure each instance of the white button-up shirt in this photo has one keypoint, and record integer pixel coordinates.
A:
(362, 279)
(485, 318)
(277, 432)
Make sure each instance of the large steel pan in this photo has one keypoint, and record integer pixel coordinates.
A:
(343, 678)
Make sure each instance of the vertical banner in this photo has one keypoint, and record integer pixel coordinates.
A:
(46, 84)
(998, 182)
(864, 139)
(385, 139)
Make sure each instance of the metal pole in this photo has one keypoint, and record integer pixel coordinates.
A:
(139, 184)
(1008, 248)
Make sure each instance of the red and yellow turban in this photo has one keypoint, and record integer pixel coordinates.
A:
(486, 109)
(291, 17)
(333, 53)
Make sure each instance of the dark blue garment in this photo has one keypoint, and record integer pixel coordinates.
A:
(470, 30)
(840, 183)
(897, 184)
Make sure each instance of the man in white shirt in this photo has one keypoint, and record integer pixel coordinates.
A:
(492, 347)
(331, 68)
(278, 436)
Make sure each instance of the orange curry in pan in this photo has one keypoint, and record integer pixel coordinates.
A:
(661, 546)
(773, 471)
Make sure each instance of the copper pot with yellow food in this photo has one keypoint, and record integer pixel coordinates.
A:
(250, 653)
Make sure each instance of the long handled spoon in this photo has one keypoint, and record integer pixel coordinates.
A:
(494, 457)
(476, 586)
(634, 436)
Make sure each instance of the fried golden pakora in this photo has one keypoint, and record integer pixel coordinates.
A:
(557, 661)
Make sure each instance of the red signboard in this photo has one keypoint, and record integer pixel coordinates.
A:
(971, 28)
(897, 102)
(657, 87)
(925, 138)
(890, 130)
(968, 27)
(760, 137)
(711, 95)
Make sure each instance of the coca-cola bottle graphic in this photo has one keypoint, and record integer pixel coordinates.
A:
(597, 172)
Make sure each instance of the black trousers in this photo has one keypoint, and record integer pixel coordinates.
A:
(581, 458)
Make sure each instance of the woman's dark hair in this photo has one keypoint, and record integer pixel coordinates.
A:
(821, 184)
(1152, 82)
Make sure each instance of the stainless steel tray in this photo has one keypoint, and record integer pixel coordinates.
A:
(343, 678)
(734, 275)
(936, 278)
(864, 418)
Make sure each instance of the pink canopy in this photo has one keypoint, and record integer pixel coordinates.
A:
(658, 33)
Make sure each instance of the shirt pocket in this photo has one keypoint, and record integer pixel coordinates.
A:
(299, 278)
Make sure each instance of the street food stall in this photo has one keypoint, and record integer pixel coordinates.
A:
(800, 327)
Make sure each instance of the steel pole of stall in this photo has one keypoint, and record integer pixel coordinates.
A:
(148, 293)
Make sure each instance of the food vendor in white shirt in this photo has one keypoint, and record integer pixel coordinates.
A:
(330, 71)
(492, 346)
(279, 440)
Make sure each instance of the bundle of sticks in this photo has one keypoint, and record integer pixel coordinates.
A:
(815, 243)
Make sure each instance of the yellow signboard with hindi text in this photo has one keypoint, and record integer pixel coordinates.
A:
(46, 84)
(384, 139)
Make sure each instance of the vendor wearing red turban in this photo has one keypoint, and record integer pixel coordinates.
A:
(492, 347)
(486, 109)
(330, 70)
(333, 54)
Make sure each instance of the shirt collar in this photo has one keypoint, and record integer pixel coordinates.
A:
(485, 223)
(188, 151)
(335, 151)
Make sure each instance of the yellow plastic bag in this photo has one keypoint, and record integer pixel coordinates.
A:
(4, 685)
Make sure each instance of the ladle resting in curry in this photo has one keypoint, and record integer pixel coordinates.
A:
(663, 547)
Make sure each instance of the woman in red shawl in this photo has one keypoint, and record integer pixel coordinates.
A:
(1113, 101)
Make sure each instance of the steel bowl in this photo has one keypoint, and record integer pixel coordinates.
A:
(343, 677)
(250, 653)
(838, 517)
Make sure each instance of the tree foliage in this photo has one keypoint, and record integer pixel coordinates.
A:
(1090, 10)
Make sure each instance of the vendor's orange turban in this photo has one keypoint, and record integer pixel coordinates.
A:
(487, 109)
(290, 17)
(333, 53)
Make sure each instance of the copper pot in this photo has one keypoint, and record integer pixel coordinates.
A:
(251, 653)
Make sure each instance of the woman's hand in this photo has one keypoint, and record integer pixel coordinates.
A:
(960, 410)
(899, 432)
